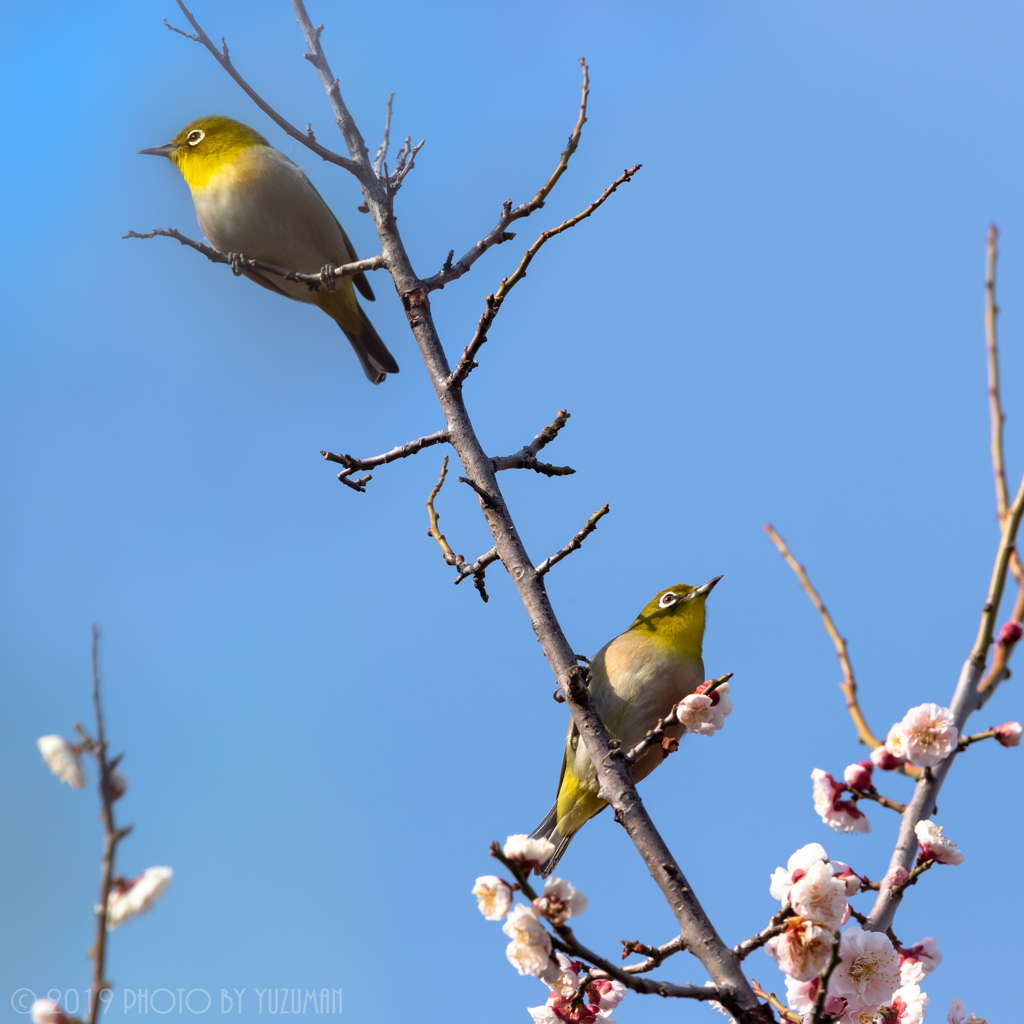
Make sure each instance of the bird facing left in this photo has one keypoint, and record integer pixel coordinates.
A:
(251, 199)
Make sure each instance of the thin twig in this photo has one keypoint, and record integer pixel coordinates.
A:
(354, 465)
(382, 149)
(966, 741)
(576, 543)
(873, 794)
(493, 302)
(498, 234)
(526, 457)
(1003, 652)
(324, 277)
(222, 58)
(780, 1007)
(656, 955)
(824, 978)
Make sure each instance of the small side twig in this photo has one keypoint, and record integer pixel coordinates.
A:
(819, 1015)
(354, 465)
(777, 1004)
(656, 955)
(493, 302)
(382, 149)
(576, 543)
(776, 926)
(526, 457)
(873, 794)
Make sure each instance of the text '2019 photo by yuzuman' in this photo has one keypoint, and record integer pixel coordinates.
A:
(607, 611)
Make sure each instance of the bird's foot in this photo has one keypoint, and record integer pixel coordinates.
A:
(327, 278)
(235, 262)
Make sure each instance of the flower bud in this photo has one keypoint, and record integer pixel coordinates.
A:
(1010, 633)
(882, 757)
(1008, 734)
(897, 876)
(47, 1011)
(858, 775)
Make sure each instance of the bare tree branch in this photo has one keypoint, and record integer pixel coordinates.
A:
(222, 58)
(526, 457)
(238, 262)
(575, 544)
(776, 926)
(493, 302)
(353, 465)
(656, 955)
(498, 234)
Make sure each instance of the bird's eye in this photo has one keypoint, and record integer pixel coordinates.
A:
(196, 136)
(668, 599)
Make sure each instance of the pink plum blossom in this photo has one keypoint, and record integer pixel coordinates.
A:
(47, 1011)
(62, 758)
(493, 896)
(527, 851)
(568, 980)
(882, 757)
(869, 971)
(559, 1008)
(559, 901)
(705, 714)
(819, 897)
(801, 996)
(926, 735)
(1008, 734)
(858, 776)
(956, 1015)
(897, 876)
(842, 815)
(802, 950)
(606, 994)
(796, 867)
(919, 960)
(137, 896)
(908, 1005)
(935, 846)
(529, 952)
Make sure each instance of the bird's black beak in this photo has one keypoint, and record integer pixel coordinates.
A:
(704, 588)
(159, 151)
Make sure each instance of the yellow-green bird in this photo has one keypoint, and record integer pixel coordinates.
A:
(251, 199)
(634, 680)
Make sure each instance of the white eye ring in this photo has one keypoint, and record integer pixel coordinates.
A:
(667, 600)
(196, 136)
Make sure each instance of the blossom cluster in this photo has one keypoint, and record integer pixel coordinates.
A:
(705, 713)
(136, 896)
(531, 950)
(874, 980)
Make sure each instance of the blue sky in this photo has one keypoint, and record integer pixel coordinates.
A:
(779, 320)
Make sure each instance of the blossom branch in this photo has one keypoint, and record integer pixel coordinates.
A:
(818, 1014)
(776, 926)
(526, 457)
(966, 741)
(353, 465)
(224, 60)
(873, 794)
(325, 278)
(849, 683)
(494, 302)
(498, 234)
(966, 700)
(575, 544)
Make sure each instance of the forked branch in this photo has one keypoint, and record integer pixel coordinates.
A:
(353, 465)
(526, 457)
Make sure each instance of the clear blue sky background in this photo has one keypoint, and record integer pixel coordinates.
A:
(780, 319)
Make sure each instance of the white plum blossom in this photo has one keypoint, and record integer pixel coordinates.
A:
(568, 980)
(894, 744)
(62, 758)
(819, 897)
(529, 952)
(527, 851)
(796, 867)
(919, 960)
(847, 876)
(705, 714)
(897, 876)
(926, 735)
(137, 896)
(908, 1005)
(842, 815)
(493, 896)
(559, 1009)
(606, 994)
(935, 845)
(858, 776)
(560, 900)
(801, 996)
(542, 1014)
(802, 950)
(1009, 733)
(869, 969)
(47, 1011)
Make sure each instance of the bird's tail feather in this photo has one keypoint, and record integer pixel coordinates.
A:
(548, 829)
(377, 362)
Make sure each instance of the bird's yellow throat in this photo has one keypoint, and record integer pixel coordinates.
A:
(206, 146)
